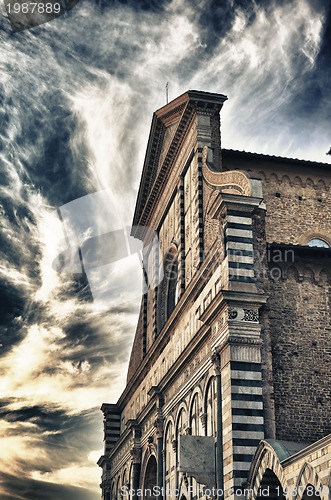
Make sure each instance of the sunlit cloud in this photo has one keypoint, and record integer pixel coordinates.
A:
(76, 475)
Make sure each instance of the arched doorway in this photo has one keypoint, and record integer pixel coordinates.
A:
(270, 487)
(150, 481)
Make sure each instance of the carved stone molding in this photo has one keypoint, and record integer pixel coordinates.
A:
(233, 182)
(243, 340)
(136, 455)
(203, 418)
(233, 313)
(251, 315)
(216, 359)
(159, 426)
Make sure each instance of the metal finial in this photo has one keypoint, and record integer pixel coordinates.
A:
(167, 92)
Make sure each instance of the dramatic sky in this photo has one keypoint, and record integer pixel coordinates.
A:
(77, 96)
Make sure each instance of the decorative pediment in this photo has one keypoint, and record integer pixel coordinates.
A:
(170, 125)
(168, 136)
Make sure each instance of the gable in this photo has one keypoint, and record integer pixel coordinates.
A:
(169, 126)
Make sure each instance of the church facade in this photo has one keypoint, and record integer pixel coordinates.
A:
(228, 390)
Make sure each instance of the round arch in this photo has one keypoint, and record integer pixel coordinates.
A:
(194, 413)
(182, 412)
(309, 236)
(168, 423)
(197, 390)
(125, 485)
(266, 465)
(118, 488)
(182, 406)
(168, 447)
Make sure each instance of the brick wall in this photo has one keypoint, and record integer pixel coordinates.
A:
(296, 206)
(300, 328)
(297, 195)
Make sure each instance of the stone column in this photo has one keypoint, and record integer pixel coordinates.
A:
(219, 439)
(136, 465)
(158, 424)
(154, 392)
(241, 386)
(136, 459)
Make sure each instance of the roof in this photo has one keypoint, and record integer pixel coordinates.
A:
(285, 449)
(278, 159)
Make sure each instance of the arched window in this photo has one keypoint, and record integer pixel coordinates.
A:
(211, 408)
(195, 431)
(180, 431)
(172, 296)
(150, 480)
(194, 417)
(168, 289)
(125, 486)
(318, 242)
(181, 423)
(118, 489)
(169, 460)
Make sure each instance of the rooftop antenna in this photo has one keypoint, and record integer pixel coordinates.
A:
(167, 92)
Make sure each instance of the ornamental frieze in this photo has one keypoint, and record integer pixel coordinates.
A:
(242, 314)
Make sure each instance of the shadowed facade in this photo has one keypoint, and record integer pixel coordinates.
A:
(228, 385)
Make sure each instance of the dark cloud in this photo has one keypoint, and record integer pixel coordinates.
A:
(12, 303)
(154, 6)
(29, 489)
(45, 418)
(312, 101)
(56, 440)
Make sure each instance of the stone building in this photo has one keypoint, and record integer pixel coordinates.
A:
(228, 389)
